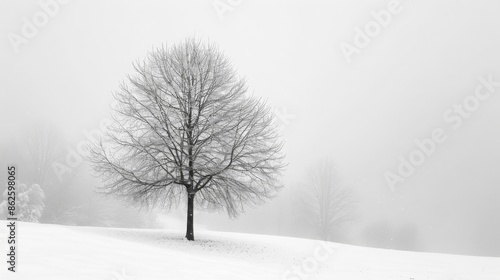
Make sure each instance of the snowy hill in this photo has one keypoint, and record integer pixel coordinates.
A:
(62, 252)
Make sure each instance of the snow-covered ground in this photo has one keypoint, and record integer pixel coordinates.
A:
(63, 252)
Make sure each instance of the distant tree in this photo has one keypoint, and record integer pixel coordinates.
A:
(324, 203)
(29, 203)
(41, 143)
(38, 149)
(185, 129)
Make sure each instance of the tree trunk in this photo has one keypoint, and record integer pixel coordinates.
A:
(190, 218)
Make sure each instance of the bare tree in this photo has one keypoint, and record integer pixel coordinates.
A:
(184, 126)
(325, 205)
(41, 151)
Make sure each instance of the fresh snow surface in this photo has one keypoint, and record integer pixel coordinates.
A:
(64, 252)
